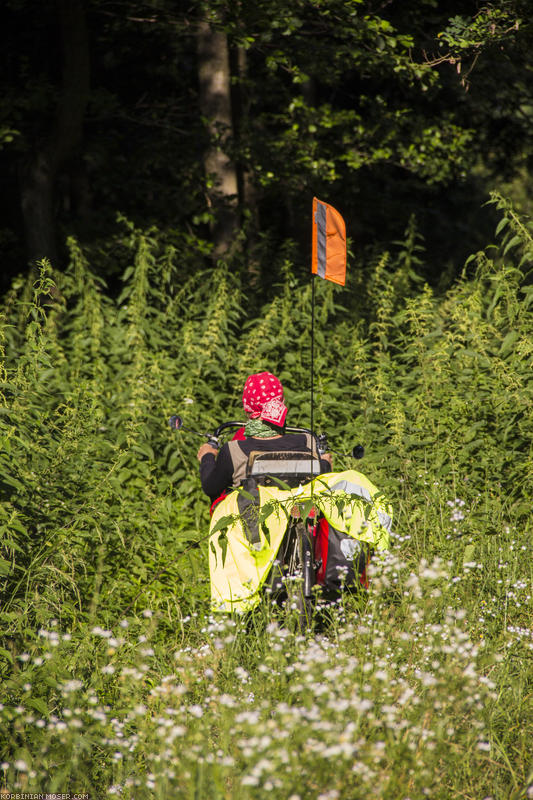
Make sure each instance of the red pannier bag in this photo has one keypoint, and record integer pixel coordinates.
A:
(342, 560)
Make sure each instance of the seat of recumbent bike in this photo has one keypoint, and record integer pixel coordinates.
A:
(290, 467)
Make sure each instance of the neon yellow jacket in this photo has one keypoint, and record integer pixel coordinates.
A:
(348, 500)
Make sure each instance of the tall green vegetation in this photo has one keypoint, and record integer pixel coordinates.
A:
(115, 679)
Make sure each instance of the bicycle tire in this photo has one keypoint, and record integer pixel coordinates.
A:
(304, 595)
(295, 563)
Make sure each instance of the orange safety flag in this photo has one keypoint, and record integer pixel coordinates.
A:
(329, 243)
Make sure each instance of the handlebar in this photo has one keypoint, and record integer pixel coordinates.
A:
(320, 438)
(176, 423)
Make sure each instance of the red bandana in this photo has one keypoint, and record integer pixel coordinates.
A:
(263, 398)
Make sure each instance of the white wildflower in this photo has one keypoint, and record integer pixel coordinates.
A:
(250, 780)
(98, 631)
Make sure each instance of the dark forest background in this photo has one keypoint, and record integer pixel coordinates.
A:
(217, 123)
(158, 162)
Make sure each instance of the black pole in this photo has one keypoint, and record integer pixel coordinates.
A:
(312, 372)
(312, 358)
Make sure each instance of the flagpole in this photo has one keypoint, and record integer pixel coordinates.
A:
(308, 534)
(312, 359)
(328, 261)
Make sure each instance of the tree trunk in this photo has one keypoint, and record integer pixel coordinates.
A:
(37, 203)
(39, 174)
(247, 187)
(249, 194)
(215, 106)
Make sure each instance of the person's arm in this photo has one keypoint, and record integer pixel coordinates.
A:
(216, 469)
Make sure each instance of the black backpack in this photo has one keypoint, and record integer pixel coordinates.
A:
(279, 468)
(274, 468)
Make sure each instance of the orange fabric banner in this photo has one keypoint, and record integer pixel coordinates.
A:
(329, 243)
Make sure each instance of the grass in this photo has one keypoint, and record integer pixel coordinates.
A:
(401, 698)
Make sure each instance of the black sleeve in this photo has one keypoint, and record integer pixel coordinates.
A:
(216, 473)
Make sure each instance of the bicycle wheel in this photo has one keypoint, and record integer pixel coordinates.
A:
(304, 595)
(293, 573)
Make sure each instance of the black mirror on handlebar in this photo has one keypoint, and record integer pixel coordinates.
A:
(176, 423)
(357, 452)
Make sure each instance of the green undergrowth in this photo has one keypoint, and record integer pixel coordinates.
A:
(115, 678)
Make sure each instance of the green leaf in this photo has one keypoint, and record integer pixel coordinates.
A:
(223, 544)
(222, 524)
(7, 654)
(501, 225)
(512, 243)
(12, 481)
(5, 567)
(508, 342)
(38, 704)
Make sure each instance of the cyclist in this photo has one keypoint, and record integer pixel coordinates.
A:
(263, 402)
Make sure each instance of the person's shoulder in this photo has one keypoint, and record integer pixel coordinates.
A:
(296, 436)
(235, 443)
(294, 440)
(234, 446)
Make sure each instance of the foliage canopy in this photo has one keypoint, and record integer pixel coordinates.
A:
(406, 108)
